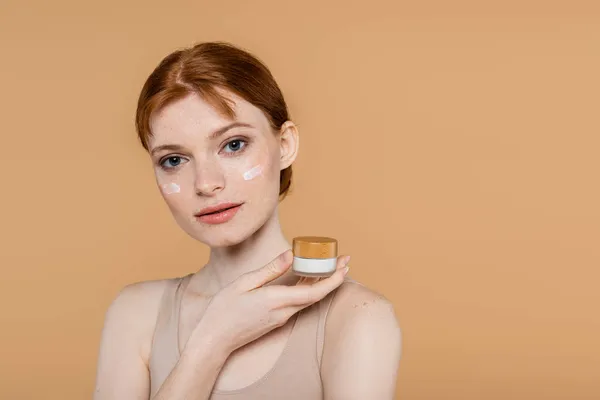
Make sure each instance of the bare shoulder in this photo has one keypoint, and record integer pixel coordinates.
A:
(133, 312)
(137, 293)
(122, 370)
(139, 300)
(355, 303)
(362, 345)
(361, 316)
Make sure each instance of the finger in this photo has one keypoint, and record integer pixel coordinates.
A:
(307, 294)
(341, 262)
(288, 312)
(305, 280)
(266, 274)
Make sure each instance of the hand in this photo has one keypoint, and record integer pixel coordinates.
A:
(246, 309)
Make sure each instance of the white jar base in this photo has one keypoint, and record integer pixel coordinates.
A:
(314, 267)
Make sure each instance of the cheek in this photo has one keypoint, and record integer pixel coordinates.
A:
(175, 197)
(262, 167)
(170, 188)
(260, 173)
(257, 182)
(253, 172)
(171, 194)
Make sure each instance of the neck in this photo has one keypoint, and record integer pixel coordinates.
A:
(226, 264)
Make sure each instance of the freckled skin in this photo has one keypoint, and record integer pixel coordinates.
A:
(362, 336)
(209, 173)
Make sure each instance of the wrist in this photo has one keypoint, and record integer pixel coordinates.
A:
(205, 343)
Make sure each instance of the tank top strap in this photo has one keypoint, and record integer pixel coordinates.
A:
(307, 338)
(324, 306)
(175, 310)
(163, 356)
(299, 363)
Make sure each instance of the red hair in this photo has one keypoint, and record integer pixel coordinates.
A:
(201, 70)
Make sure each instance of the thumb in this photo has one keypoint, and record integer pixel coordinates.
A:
(267, 273)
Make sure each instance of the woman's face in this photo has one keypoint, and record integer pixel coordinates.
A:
(202, 159)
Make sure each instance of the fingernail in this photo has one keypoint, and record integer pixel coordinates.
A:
(346, 260)
(346, 270)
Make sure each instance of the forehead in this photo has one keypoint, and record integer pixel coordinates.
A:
(193, 116)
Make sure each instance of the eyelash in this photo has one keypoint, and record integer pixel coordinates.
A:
(246, 142)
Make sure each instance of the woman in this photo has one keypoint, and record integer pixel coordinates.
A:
(217, 129)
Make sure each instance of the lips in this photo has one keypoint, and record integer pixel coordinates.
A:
(216, 209)
(218, 214)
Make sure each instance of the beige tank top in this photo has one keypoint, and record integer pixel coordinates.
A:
(294, 376)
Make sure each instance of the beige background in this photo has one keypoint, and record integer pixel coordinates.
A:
(451, 147)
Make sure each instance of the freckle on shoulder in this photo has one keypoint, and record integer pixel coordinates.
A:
(353, 295)
(358, 308)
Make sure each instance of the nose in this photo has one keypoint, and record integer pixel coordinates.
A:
(209, 179)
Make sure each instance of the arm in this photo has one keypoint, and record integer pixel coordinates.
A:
(362, 346)
(238, 314)
(122, 371)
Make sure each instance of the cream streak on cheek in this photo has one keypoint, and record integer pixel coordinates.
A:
(170, 188)
(253, 172)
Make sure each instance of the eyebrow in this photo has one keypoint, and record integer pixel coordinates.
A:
(214, 135)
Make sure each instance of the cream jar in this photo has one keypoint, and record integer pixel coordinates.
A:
(314, 256)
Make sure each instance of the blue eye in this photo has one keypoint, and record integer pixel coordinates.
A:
(235, 145)
(171, 162)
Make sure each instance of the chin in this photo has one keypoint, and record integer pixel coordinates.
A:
(228, 234)
(215, 242)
